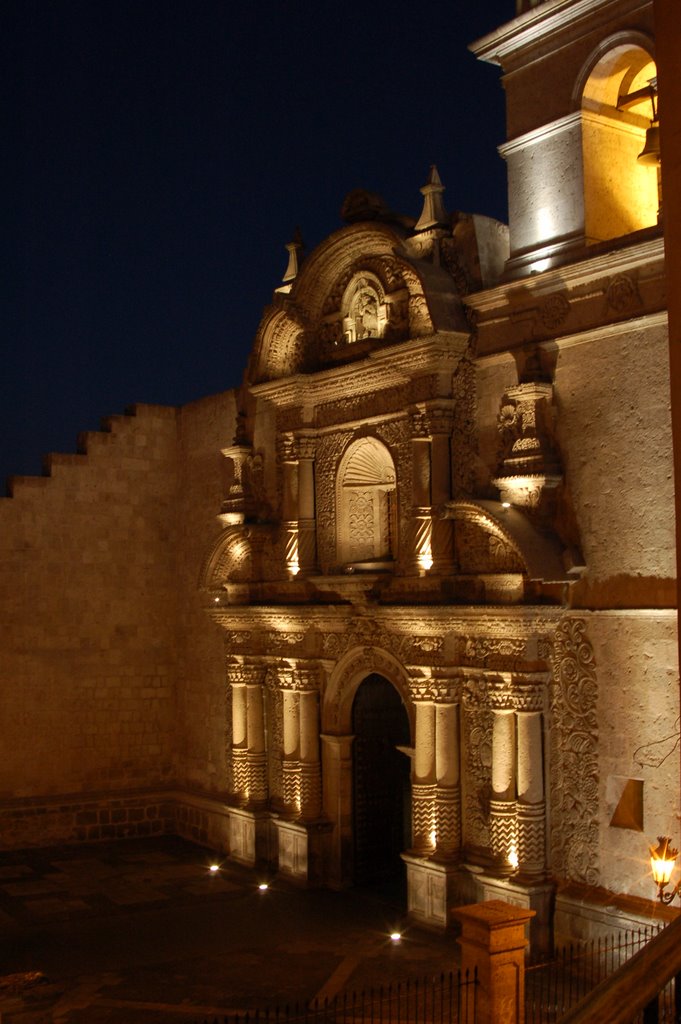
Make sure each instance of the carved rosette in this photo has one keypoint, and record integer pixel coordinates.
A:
(574, 756)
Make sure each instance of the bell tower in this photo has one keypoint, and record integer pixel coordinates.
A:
(581, 109)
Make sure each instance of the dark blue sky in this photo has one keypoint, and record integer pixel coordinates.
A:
(160, 153)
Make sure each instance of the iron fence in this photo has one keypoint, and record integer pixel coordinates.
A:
(553, 986)
(449, 998)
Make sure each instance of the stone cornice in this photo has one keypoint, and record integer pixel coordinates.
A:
(385, 368)
(618, 260)
(512, 44)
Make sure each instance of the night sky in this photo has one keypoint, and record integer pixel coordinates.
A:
(160, 153)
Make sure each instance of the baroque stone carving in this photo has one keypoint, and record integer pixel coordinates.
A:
(477, 765)
(622, 294)
(574, 744)
(553, 311)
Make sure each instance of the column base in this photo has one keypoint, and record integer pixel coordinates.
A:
(432, 889)
(250, 836)
(302, 850)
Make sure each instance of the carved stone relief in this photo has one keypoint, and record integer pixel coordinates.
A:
(329, 451)
(574, 760)
(478, 551)
(476, 764)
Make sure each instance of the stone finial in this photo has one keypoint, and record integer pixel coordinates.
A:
(433, 214)
(293, 248)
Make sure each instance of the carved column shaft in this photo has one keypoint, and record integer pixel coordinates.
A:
(310, 770)
(503, 831)
(291, 744)
(239, 740)
(255, 731)
(531, 804)
(307, 527)
(423, 786)
(447, 775)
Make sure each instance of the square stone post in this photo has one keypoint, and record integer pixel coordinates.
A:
(493, 943)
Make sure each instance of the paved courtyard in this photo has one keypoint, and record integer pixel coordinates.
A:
(141, 932)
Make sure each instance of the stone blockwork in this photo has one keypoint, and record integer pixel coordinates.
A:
(88, 669)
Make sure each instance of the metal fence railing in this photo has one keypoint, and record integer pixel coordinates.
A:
(448, 998)
(555, 985)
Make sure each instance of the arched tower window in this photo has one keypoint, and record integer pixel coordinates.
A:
(365, 504)
(619, 105)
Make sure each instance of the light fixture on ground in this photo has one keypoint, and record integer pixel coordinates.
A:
(214, 868)
(263, 886)
(396, 937)
(662, 860)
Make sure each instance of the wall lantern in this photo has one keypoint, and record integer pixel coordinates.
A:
(662, 859)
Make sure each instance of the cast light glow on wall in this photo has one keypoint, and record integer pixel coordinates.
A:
(513, 857)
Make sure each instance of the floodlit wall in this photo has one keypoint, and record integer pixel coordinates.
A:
(88, 659)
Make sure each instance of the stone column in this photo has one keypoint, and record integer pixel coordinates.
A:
(310, 773)
(440, 424)
(288, 458)
(239, 740)
(502, 804)
(307, 527)
(447, 777)
(291, 751)
(423, 783)
(421, 553)
(531, 806)
(255, 731)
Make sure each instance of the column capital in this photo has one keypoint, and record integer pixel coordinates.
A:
(287, 448)
(238, 672)
(306, 447)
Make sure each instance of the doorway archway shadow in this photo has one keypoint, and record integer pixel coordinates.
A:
(381, 804)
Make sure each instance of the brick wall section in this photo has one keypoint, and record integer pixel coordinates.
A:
(88, 591)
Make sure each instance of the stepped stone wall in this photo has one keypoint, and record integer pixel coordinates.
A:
(88, 671)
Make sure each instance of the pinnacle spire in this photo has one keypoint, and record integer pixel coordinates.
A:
(433, 214)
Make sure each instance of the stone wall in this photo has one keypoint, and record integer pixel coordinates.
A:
(89, 653)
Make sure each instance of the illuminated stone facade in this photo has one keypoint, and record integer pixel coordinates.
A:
(442, 501)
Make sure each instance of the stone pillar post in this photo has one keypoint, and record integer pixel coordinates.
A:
(502, 804)
(440, 424)
(423, 784)
(288, 457)
(493, 945)
(531, 806)
(447, 777)
(307, 527)
(291, 749)
(310, 773)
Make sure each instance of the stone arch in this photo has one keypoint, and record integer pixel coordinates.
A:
(293, 328)
(228, 561)
(366, 507)
(620, 191)
(345, 680)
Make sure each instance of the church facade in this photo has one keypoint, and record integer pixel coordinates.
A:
(405, 603)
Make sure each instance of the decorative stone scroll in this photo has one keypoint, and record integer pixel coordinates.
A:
(574, 758)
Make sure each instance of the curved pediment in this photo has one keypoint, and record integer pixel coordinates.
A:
(491, 538)
(358, 290)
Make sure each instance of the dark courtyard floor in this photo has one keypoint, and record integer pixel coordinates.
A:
(140, 932)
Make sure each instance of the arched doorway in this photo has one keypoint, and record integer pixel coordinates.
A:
(381, 806)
